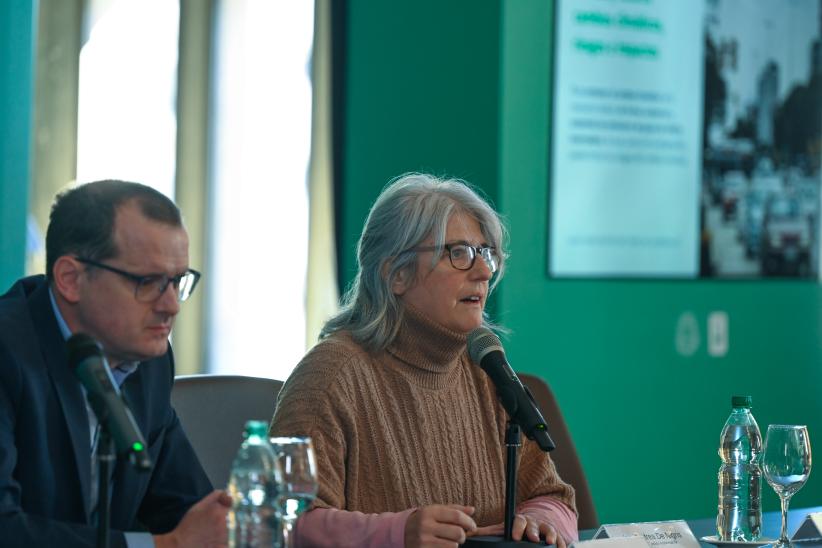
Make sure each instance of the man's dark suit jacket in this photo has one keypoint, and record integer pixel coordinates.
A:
(45, 448)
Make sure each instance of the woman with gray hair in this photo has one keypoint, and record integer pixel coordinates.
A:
(407, 430)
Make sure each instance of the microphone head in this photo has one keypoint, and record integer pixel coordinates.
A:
(481, 341)
(81, 346)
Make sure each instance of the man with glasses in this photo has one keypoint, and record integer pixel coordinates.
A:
(117, 270)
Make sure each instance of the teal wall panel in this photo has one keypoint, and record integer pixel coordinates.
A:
(421, 95)
(17, 30)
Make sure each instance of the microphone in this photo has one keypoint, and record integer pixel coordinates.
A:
(91, 368)
(485, 349)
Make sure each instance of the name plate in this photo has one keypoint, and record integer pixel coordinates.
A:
(665, 534)
(618, 542)
(811, 528)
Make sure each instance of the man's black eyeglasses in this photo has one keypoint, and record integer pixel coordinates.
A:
(151, 287)
(463, 256)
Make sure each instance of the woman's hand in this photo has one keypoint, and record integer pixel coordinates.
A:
(531, 526)
(440, 525)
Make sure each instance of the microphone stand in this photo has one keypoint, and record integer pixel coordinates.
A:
(513, 441)
(105, 459)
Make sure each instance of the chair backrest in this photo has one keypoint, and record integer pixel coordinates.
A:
(565, 456)
(213, 410)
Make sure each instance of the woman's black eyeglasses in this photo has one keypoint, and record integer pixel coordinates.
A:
(463, 256)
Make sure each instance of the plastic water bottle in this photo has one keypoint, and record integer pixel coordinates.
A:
(253, 521)
(739, 516)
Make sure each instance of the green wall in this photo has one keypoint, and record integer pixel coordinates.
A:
(17, 29)
(463, 88)
(420, 96)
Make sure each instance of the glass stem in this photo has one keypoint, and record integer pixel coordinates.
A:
(783, 536)
(288, 532)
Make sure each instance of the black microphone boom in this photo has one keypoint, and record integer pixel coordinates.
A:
(485, 349)
(90, 366)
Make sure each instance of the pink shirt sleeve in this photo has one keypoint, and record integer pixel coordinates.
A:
(556, 513)
(328, 527)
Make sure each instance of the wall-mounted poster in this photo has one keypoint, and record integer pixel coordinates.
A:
(686, 139)
(763, 113)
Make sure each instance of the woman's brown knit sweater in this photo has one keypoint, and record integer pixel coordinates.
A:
(415, 425)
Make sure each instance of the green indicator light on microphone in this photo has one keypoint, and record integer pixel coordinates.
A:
(137, 446)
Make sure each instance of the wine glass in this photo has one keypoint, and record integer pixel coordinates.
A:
(299, 485)
(787, 465)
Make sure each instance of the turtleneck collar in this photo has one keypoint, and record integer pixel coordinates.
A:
(426, 346)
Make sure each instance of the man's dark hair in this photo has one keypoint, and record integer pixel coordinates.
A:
(82, 218)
